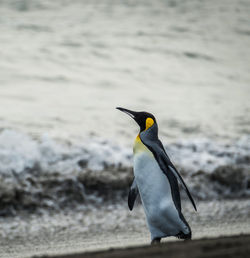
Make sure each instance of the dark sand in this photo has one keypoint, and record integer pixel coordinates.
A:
(233, 246)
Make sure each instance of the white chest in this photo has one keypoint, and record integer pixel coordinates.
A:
(152, 182)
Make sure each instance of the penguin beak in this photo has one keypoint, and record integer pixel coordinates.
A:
(128, 112)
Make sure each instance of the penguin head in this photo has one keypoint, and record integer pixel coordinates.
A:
(144, 119)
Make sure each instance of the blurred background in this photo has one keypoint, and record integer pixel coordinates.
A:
(66, 152)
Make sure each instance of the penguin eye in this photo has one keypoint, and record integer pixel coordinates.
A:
(149, 122)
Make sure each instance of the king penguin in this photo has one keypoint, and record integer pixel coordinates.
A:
(156, 181)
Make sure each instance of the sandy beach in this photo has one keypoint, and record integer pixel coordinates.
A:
(111, 227)
(234, 246)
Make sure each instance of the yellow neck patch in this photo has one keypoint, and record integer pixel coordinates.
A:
(149, 123)
(139, 147)
(138, 139)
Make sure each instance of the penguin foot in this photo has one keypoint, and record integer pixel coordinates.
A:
(181, 235)
(156, 241)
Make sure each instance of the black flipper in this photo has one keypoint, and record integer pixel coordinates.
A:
(178, 176)
(133, 192)
(150, 139)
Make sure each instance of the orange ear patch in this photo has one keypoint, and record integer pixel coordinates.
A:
(149, 122)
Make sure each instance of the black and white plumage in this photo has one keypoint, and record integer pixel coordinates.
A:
(156, 181)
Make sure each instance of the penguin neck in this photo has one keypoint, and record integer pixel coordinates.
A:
(151, 133)
(139, 146)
